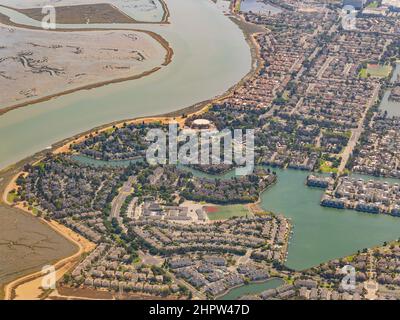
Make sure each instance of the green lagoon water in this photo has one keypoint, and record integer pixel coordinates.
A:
(102, 163)
(259, 7)
(252, 288)
(321, 234)
(392, 107)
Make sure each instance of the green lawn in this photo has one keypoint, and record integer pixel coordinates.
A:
(373, 4)
(229, 211)
(326, 168)
(238, 5)
(363, 73)
(11, 196)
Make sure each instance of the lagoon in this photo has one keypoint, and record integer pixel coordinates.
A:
(319, 233)
(82, 159)
(252, 288)
(392, 107)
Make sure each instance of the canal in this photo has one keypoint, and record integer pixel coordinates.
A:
(251, 288)
(392, 107)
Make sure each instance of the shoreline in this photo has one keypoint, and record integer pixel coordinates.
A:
(167, 14)
(66, 92)
(195, 109)
(198, 108)
(167, 60)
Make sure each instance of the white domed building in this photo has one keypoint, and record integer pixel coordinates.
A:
(202, 124)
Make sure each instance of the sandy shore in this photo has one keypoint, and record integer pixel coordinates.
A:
(63, 266)
(167, 14)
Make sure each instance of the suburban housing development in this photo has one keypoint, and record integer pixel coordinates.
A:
(322, 99)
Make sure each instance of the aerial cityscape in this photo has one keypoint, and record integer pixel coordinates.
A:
(200, 150)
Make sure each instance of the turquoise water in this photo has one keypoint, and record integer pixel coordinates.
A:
(396, 73)
(210, 56)
(252, 288)
(201, 174)
(392, 107)
(102, 163)
(320, 233)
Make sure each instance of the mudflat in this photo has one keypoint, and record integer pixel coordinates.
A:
(27, 244)
(84, 13)
(95, 11)
(35, 64)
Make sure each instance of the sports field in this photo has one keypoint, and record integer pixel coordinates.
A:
(376, 70)
(226, 212)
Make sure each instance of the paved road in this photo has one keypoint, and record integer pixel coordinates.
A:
(355, 136)
(119, 200)
(324, 67)
(196, 294)
(149, 259)
(244, 259)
